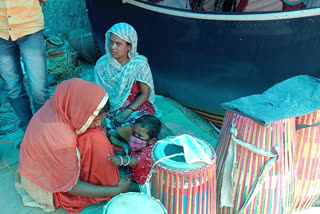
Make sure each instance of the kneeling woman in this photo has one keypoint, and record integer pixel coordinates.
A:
(64, 155)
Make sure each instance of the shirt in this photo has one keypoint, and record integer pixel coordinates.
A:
(139, 173)
(19, 18)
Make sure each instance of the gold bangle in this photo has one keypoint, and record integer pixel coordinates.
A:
(131, 108)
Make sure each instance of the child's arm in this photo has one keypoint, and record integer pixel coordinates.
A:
(130, 161)
(124, 160)
(117, 142)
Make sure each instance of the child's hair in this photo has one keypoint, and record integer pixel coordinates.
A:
(151, 123)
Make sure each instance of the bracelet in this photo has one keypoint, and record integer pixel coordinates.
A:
(128, 161)
(131, 108)
(121, 159)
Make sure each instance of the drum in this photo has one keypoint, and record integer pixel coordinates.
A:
(255, 166)
(308, 160)
(134, 203)
(181, 187)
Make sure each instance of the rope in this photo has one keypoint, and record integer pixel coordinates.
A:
(147, 183)
(231, 159)
(9, 121)
(5, 154)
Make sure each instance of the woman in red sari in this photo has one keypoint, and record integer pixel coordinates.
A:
(64, 154)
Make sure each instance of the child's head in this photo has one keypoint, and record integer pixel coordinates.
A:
(146, 128)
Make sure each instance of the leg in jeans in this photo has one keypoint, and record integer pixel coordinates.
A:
(10, 69)
(33, 52)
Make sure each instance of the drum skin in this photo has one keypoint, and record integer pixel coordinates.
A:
(134, 203)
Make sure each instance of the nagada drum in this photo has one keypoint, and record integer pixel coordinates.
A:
(255, 166)
(181, 187)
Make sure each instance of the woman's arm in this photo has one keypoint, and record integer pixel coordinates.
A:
(141, 98)
(85, 189)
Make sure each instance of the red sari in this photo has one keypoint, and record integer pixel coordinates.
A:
(96, 168)
(56, 133)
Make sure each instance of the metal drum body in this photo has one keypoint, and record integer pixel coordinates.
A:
(308, 160)
(134, 203)
(260, 176)
(184, 188)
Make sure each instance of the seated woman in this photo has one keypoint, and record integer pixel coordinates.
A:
(127, 78)
(64, 155)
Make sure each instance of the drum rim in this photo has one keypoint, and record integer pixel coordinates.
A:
(106, 206)
(170, 168)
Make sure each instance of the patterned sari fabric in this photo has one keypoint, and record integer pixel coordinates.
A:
(270, 5)
(140, 172)
(146, 108)
(120, 81)
(258, 5)
(57, 133)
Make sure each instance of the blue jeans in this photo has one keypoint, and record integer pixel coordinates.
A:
(33, 52)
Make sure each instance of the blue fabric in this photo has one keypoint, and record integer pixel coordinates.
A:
(293, 97)
(33, 52)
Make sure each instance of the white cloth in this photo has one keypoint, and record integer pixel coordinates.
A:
(193, 152)
(118, 79)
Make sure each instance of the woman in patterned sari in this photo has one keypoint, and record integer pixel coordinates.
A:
(127, 78)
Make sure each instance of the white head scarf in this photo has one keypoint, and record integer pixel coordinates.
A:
(118, 79)
(125, 32)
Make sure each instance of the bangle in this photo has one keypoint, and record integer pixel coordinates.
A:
(128, 161)
(121, 159)
(131, 108)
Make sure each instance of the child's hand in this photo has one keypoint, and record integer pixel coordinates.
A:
(115, 160)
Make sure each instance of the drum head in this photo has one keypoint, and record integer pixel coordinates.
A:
(134, 203)
(179, 163)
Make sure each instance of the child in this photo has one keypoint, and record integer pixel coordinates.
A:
(145, 131)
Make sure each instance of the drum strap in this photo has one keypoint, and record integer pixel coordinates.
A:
(302, 126)
(146, 185)
(230, 166)
(5, 154)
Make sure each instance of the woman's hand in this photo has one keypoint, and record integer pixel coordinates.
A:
(121, 117)
(124, 185)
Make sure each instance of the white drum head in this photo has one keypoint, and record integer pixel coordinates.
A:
(179, 163)
(134, 203)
